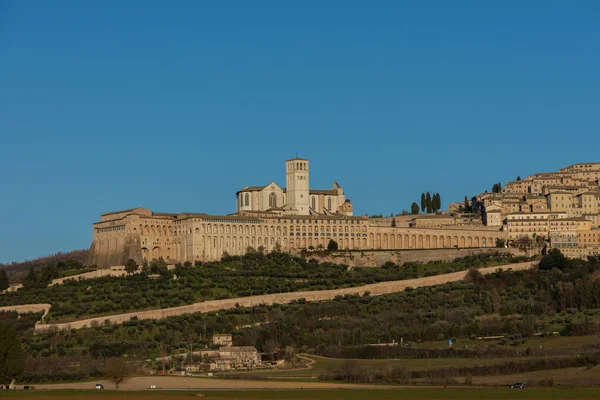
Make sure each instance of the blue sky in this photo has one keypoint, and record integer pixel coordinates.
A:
(177, 105)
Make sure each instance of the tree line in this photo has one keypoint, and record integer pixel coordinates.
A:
(429, 204)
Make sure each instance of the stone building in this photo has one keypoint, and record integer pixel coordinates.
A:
(236, 357)
(296, 198)
(139, 233)
(224, 339)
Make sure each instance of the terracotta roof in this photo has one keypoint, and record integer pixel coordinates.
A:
(325, 191)
(121, 211)
(251, 189)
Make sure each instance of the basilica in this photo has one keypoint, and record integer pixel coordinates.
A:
(296, 198)
(268, 217)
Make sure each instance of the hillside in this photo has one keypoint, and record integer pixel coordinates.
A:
(538, 326)
(19, 268)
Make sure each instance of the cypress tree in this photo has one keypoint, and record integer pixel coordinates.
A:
(11, 354)
(429, 205)
(414, 208)
(4, 283)
(423, 202)
(434, 201)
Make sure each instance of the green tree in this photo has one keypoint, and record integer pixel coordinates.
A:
(393, 222)
(48, 273)
(332, 245)
(414, 208)
(31, 278)
(518, 178)
(500, 242)
(116, 370)
(131, 266)
(4, 283)
(554, 259)
(429, 203)
(11, 356)
(423, 202)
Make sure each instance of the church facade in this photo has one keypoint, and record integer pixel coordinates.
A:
(291, 218)
(296, 198)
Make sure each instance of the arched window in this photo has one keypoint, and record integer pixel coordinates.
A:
(329, 203)
(272, 200)
(247, 196)
(314, 203)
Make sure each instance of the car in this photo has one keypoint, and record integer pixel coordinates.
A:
(99, 386)
(152, 386)
(518, 385)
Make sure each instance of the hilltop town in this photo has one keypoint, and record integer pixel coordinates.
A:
(559, 209)
(545, 210)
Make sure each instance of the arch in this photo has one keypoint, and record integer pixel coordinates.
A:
(329, 204)
(272, 200)
(469, 241)
(434, 243)
(156, 252)
(483, 242)
(420, 242)
(462, 241)
(476, 241)
(413, 241)
(448, 242)
(405, 242)
(427, 243)
(392, 244)
(385, 241)
(371, 240)
(145, 253)
(455, 241)
(246, 199)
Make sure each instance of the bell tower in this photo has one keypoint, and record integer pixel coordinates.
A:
(296, 181)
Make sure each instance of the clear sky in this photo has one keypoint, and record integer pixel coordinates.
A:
(175, 106)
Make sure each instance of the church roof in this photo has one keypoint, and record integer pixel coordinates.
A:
(317, 191)
(252, 189)
(122, 211)
(296, 159)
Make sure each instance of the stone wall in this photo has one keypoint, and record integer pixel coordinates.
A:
(370, 258)
(280, 298)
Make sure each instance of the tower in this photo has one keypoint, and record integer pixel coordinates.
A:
(296, 181)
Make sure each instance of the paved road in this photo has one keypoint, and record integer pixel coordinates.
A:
(176, 382)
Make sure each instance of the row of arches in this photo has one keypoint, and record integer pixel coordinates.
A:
(425, 241)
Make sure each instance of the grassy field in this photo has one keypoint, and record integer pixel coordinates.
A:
(325, 365)
(565, 377)
(341, 394)
(548, 342)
